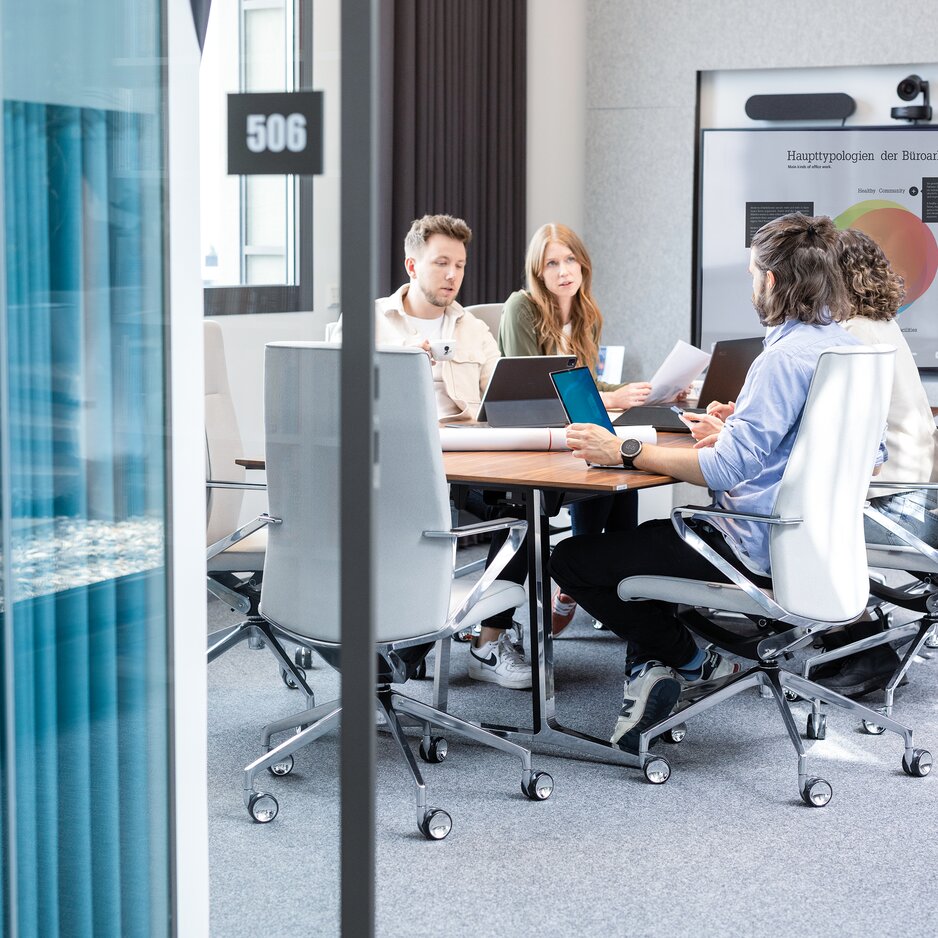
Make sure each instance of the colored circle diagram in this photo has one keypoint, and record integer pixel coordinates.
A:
(905, 239)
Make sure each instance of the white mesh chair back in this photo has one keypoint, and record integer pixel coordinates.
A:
(819, 567)
(222, 439)
(301, 576)
(490, 314)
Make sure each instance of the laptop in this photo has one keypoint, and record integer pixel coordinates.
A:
(729, 365)
(580, 398)
(520, 392)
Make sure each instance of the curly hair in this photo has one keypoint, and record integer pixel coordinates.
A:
(875, 290)
(424, 228)
(801, 252)
(585, 318)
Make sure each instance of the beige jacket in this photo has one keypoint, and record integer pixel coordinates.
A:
(466, 377)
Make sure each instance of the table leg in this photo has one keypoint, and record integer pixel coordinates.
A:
(546, 727)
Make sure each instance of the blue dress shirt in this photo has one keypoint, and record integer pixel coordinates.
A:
(745, 466)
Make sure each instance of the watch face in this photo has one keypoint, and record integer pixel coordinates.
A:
(630, 448)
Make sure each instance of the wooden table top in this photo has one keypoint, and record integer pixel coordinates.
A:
(556, 470)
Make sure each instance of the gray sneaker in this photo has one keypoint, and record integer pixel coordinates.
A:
(649, 694)
(500, 663)
(713, 673)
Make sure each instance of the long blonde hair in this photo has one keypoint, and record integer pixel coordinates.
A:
(585, 319)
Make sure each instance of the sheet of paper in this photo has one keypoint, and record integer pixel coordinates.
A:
(683, 364)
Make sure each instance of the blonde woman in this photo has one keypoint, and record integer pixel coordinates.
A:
(557, 314)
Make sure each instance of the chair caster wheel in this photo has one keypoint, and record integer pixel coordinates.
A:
(539, 787)
(817, 792)
(281, 768)
(790, 695)
(263, 807)
(920, 765)
(436, 824)
(420, 672)
(435, 752)
(657, 770)
(675, 735)
(874, 729)
(303, 657)
(288, 678)
(818, 729)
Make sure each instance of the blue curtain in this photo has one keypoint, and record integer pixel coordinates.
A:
(84, 368)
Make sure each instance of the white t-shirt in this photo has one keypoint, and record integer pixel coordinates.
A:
(433, 329)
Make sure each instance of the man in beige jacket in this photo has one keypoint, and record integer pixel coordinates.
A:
(425, 309)
(422, 311)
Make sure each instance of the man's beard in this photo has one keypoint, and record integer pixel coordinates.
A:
(758, 301)
(434, 298)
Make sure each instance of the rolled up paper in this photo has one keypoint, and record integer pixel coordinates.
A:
(495, 439)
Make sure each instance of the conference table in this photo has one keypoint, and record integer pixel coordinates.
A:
(531, 477)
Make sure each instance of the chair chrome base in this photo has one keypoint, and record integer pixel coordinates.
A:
(920, 631)
(433, 823)
(814, 791)
(256, 629)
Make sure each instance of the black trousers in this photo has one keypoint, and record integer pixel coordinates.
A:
(589, 568)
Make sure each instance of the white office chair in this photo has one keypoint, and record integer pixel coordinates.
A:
(920, 595)
(418, 600)
(489, 313)
(818, 559)
(235, 556)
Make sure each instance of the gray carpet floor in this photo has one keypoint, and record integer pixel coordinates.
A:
(726, 847)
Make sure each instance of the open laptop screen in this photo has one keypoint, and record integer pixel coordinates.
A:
(580, 397)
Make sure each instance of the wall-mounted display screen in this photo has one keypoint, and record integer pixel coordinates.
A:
(883, 181)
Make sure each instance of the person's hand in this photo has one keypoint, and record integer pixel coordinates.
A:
(629, 395)
(703, 427)
(723, 411)
(593, 443)
(683, 395)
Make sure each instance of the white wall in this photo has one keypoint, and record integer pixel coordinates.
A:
(556, 100)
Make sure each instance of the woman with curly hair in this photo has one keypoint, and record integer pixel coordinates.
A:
(558, 315)
(875, 292)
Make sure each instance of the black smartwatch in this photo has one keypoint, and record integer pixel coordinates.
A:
(629, 451)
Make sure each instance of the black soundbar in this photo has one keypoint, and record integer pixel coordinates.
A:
(800, 107)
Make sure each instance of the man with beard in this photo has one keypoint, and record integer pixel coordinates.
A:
(798, 292)
(425, 309)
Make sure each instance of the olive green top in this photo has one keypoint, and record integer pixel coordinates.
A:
(517, 333)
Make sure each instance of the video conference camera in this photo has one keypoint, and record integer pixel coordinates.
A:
(909, 89)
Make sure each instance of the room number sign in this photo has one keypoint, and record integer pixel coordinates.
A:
(275, 133)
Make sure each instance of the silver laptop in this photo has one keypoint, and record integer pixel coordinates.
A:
(729, 365)
(521, 394)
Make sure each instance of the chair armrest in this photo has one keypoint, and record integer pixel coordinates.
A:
(695, 511)
(904, 535)
(481, 527)
(734, 575)
(513, 543)
(212, 484)
(903, 485)
(239, 534)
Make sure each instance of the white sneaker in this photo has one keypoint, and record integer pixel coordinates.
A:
(648, 695)
(499, 663)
